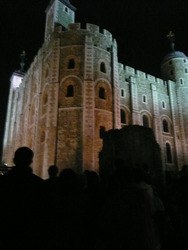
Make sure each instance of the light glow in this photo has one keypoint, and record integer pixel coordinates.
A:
(16, 81)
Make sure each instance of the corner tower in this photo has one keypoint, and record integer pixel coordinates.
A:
(175, 65)
(58, 12)
(175, 68)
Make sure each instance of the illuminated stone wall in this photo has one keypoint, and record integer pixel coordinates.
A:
(143, 94)
(63, 128)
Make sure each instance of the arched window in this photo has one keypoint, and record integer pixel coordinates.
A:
(168, 153)
(123, 116)
(101, 132)
(71, 64)
(70, 91)
(165, 126)
(103, 67)
(145, 121)
(102, 93)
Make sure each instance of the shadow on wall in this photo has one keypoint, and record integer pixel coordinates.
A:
(137, 146)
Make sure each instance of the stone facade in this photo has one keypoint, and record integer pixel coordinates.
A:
(75, 89)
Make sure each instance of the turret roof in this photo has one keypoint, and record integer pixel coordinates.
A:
(173, 55)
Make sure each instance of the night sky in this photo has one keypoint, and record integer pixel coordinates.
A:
(139, 26)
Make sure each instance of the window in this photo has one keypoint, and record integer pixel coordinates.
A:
(102, 93)
(181, 81)
(123, 116)
(144, 99)
(184, 60)
(145, 121)
(101, 132)
(168, 153)
(70, 91)
(186, 70)
(71, 64)
(163, 105)
(103, 67)
(66, 9)
(165, 126)
(122, 93)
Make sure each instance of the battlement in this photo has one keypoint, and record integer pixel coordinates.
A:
(138, 74)
(95, 29)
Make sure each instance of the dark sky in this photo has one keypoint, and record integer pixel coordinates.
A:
(139, 26)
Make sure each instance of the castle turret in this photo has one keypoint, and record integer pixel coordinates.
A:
(175, 67)
(58, 12)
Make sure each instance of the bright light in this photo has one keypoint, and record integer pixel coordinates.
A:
(16, 81)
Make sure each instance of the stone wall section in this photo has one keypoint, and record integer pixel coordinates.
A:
(88, 106)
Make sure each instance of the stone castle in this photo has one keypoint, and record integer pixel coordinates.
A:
(76, 89)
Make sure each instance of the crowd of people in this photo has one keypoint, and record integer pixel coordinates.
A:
(71, 211)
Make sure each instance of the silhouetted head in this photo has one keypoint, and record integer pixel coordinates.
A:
(92, 179)
(23, 157)
(68, 178)
(53, 171)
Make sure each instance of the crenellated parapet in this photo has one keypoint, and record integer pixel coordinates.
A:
(95, 29)
(100, 38)
(128, 73)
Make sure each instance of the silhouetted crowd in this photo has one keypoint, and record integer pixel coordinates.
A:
(70, 211)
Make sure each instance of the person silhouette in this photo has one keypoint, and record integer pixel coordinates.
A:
(53, 171)
(23, 201)
(52, 183)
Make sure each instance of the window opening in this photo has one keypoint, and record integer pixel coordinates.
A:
(122, 93)
(70, 91)
(165, 126)
(145, 121)
(181, 81)
(144, 98)
(123, 116)
(163, 105)
(102, 93)
(101, 132)
(103, 67)
(71, 64)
